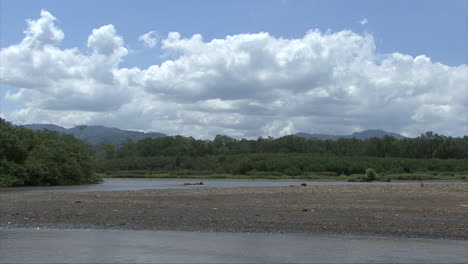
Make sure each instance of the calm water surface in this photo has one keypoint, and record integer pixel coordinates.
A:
(111, 246)
(145, 184)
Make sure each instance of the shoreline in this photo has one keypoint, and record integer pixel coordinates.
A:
(195, 181)
(317, 177)
(433, 211)
(344, 234)
(32, 227)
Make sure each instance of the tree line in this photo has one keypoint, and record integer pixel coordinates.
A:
(276, 164)
(49, 158)
(427, 146)
(289, 155)
(42, 158)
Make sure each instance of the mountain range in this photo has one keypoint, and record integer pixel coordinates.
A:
(363, 135)
(97, 135)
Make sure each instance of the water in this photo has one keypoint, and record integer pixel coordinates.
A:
(143, 184)
(124, 246)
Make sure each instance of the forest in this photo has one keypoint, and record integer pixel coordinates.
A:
(43, 158)
(49, 158)
(426, 146)
(290, 156)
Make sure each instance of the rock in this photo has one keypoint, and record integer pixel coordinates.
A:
(303, 184)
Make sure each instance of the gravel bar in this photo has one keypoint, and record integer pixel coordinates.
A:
(435, 211)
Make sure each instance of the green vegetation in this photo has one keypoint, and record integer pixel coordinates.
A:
(42, 158)
(370, 175)
(47, 158)
(288, 158)
(291, 164)
(426, 146)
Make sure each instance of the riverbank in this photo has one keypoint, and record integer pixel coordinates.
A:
(437, 211)
(324, 176)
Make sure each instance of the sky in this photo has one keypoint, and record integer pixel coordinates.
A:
(240, 68)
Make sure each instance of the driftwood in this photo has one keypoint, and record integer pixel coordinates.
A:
(191, 183)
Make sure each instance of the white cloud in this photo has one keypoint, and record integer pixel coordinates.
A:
(42, 32)
(150, 39)
(244, 85)
(364, 21)
(64, 79)
(105, 41)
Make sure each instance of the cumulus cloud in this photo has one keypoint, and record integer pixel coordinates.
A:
(244, 85)
(42, 32)
(105, 41)
(363, 21)
(150, 39)
(64, 79)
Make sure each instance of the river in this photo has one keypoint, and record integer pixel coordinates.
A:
(155, 184)
(124, 246)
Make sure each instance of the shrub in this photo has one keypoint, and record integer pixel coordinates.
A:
(371, 175)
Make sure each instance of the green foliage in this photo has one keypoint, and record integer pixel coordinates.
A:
(108, 150)
(291, 164)
(290, 156)
(292, 171)
(412, 177)
(47, 158)
(371, 175)
(42, 158)
(426, 146)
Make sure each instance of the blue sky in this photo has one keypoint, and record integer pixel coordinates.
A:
(436, 29)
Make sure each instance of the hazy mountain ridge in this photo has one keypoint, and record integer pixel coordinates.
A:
(97, 135)
(363, 135)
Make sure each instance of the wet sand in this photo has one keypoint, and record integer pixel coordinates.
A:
(436, 211)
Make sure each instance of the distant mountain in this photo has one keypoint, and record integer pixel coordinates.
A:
(50, 127)
(317, 136)
(366, 134)
(97, 135)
